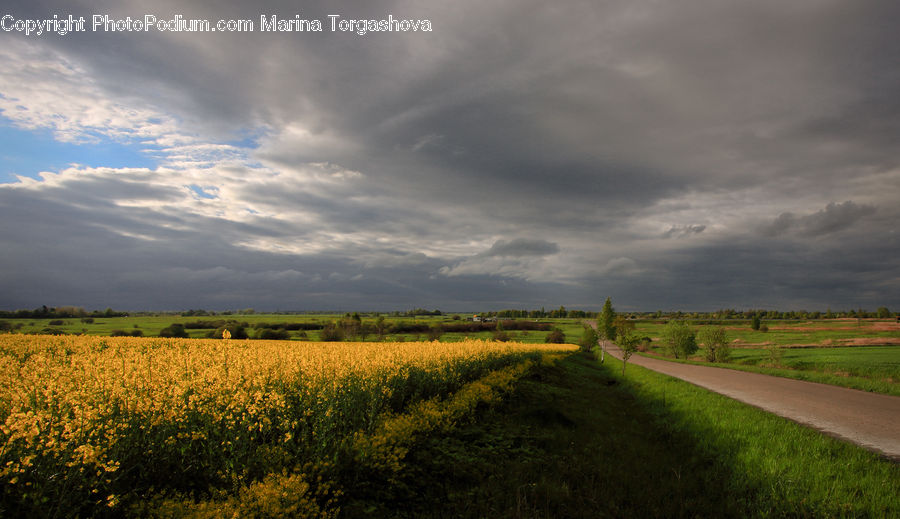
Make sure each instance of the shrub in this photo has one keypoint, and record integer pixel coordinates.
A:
(434, 332)
(588, 339)
(644, 345)
(331, 333)
(555, 337)
(679, 339)
(268, 334)
(716, 342)
(501, 336)
(174, 330)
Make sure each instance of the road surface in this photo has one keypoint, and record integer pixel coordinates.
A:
(871, 420)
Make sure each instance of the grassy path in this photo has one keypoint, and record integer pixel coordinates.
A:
(578, 440)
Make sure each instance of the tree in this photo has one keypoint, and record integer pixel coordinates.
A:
(628, 342)
(623, 325)
(883, 312)
(716, 342)
(679, 339)
(607, 326)
(380, 326)
(588, 339)
(755, 323)
(608, 321)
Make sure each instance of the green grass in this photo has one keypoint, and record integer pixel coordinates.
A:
(151, 326)
(787, 333)
(875, 368)
(579, 440)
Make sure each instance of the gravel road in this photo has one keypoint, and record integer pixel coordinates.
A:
(870, 420)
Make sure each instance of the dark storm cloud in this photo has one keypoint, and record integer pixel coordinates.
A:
(833, 218)
(522, 247)
(523, 153)
(681, 231)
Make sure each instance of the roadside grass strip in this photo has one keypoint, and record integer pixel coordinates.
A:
(875, 383)
(777, 467)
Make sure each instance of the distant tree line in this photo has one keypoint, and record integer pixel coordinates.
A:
(726, 314)
(60, 312)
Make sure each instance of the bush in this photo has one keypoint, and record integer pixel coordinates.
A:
(588, 339)
(331, 333)
(716, 342)
(501, 336)
(57, 322)
(644, 345)
(555, 337)
(268, 334)
(679, 339)
(435, 332)
(174, 330)
(236, 330)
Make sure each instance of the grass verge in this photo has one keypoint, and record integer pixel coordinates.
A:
(882, 386)
(575, 439)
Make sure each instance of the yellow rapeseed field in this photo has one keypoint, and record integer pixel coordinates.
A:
(94, 423)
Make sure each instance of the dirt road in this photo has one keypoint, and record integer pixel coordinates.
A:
(870, 420)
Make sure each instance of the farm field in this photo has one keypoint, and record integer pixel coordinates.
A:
(307, 327)
(113, 425)
(846, 353)
(831, 332)
(150, 427)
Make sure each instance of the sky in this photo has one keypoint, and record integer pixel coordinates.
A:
(690, 155)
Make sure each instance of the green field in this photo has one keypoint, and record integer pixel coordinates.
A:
(151, 325)
(811, 351)
(579, 440)
(833, 332)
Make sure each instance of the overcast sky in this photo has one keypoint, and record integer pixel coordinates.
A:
(689, 155)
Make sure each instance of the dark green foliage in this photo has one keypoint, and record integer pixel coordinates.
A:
(556, 337)
(755, 323)
(268, 334)
(174, 330)
(236, 330)
(435, 332)
(332, 333)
